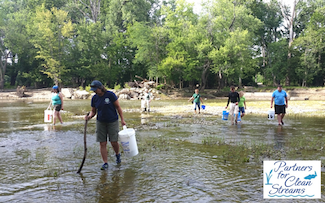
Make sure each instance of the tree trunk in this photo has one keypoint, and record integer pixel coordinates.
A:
(94, 6)
(204, 76)
(320, 56)
(180, 83)
(13, 78)
(3, 67)
(220, 79)
(239, 79)
(274, 80)
(291, 36)
(263, 52)
(303, 83)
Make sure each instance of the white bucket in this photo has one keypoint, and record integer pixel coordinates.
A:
(48, 116)
(128, 141)
(271, 115)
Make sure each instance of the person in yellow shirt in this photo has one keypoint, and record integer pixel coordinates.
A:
(242, 104)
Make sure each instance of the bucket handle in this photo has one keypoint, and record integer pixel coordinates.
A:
(124, 127)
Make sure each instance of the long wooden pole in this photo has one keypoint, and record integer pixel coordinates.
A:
(85, 146)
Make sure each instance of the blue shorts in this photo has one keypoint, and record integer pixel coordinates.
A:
(196, 105)
(242, 109)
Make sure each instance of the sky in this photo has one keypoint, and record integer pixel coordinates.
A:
(197, 3)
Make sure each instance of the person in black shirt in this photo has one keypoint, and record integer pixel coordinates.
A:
(234, 98)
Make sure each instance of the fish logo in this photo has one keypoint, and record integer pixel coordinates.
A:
(311, 176)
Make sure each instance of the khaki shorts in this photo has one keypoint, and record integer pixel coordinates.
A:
(233, 109)
(105, 130)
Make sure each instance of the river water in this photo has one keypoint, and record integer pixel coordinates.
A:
(176, 160)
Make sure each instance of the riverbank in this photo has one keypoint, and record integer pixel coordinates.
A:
(251, 93)
(216, 107)
(257, 102)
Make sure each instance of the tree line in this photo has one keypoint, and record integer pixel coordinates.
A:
(229, 42)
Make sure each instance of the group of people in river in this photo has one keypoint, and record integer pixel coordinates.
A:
(106, 106)
(237, 103)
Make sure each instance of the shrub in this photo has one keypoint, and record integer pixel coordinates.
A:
(126, 85)
(87, 88)
(161, 86)
(117, 87)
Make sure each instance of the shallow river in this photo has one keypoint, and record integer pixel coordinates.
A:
(38, 161)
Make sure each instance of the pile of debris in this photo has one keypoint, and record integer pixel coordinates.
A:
(143, 84)
(20, 91)
(136, 93)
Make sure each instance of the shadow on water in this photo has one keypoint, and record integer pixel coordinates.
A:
(182, 157)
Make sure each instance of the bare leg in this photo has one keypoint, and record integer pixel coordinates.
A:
(59, 116)
(243, 114)
(235, 117)
(54, 117)
(103, 151)
(116, 147)
(282, 116)
(232, 119)
(279, 119)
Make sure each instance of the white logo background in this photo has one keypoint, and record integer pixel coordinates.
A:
(292, 179)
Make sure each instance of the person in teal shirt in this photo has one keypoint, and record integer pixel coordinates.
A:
(196, 100)
(242, 104)
(57, 103)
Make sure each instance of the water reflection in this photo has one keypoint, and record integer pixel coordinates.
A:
(279, 138)
(144, 119)
(115, 184)
(52, 128)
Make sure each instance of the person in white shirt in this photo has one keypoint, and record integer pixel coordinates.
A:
(147, 99)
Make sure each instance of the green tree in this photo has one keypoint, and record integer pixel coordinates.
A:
(231, 30)
(180, 63)
(150, 43)
(51, 30)
(312, 45)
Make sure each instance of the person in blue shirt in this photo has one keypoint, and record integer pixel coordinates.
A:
(105, 104)
(280, 99)
(57, 103)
